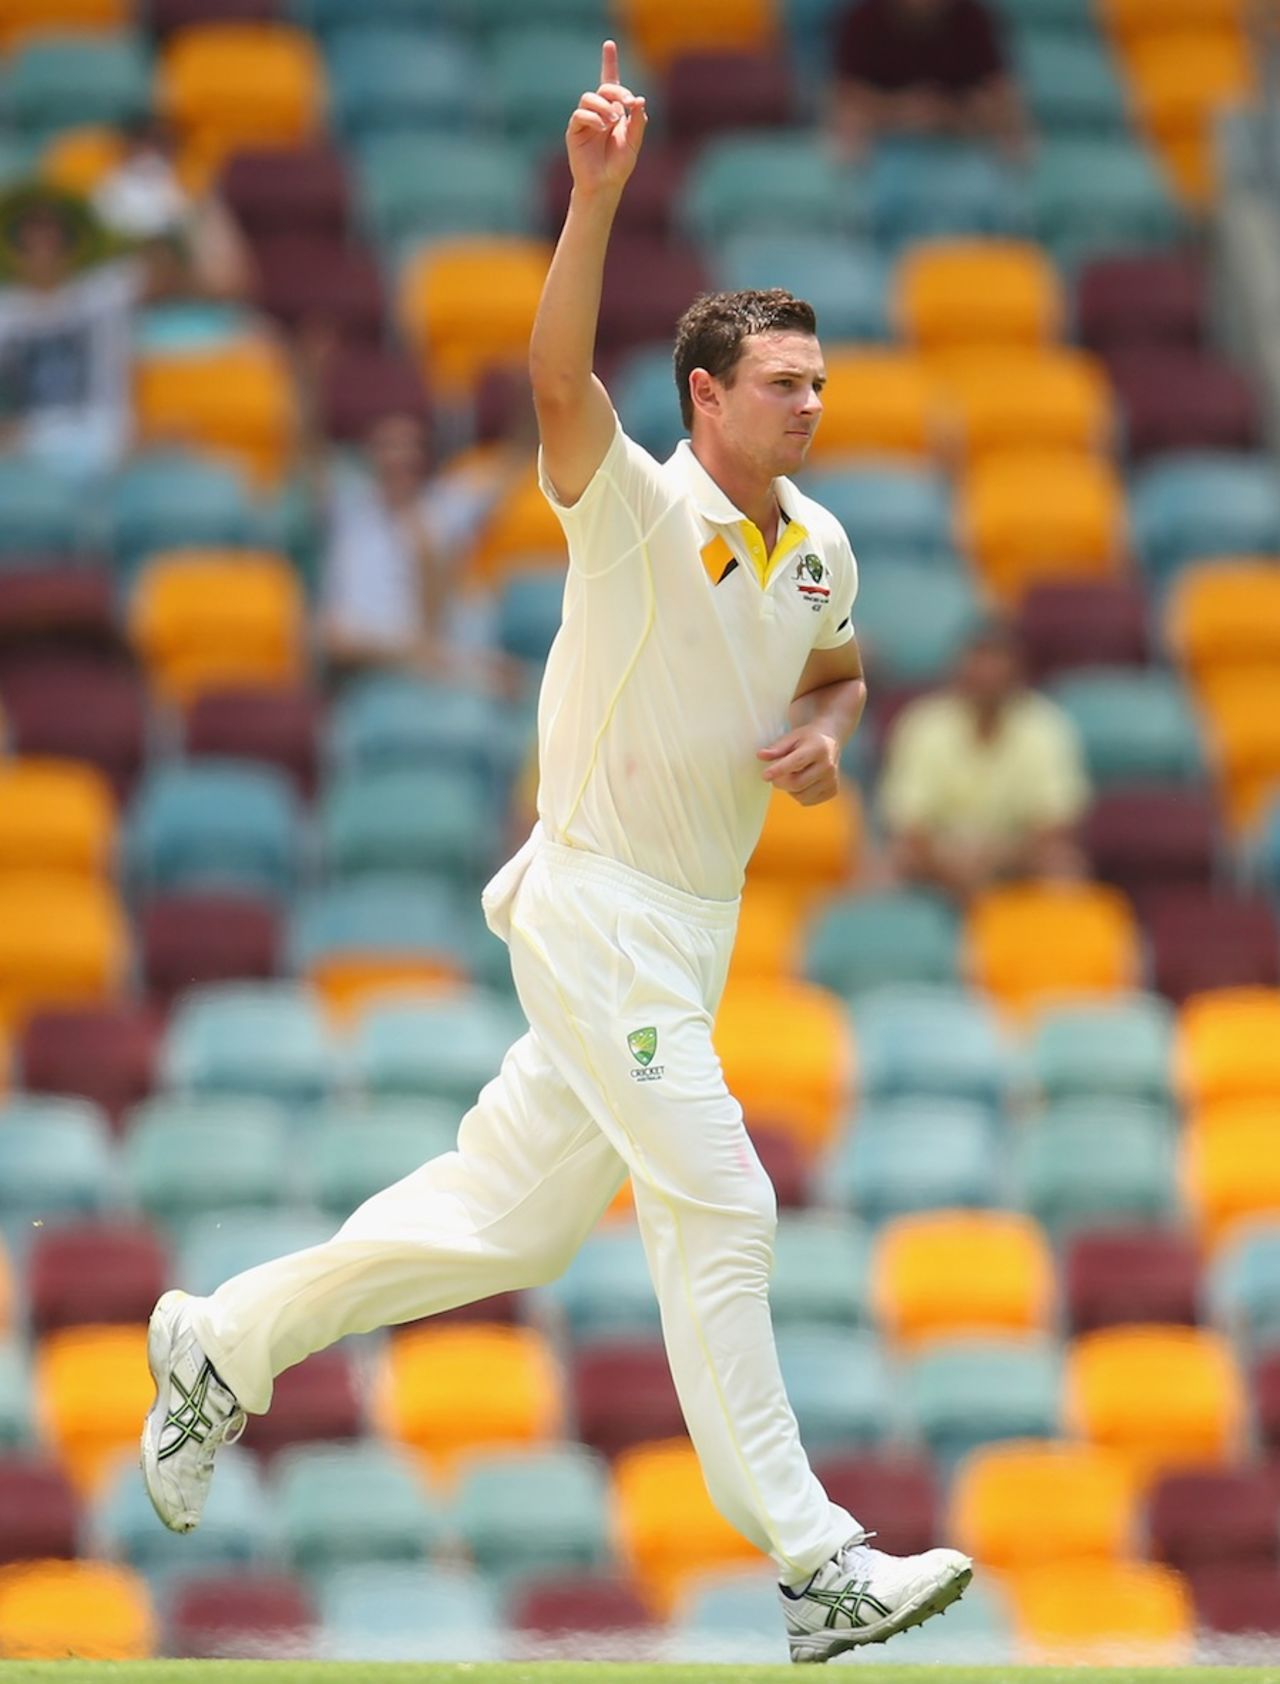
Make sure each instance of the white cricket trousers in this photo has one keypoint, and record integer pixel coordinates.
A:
(600, 953)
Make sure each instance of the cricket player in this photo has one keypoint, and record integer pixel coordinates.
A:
(706, 658)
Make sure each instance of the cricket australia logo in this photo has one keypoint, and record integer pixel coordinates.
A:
(642, 1044)
(810, 575)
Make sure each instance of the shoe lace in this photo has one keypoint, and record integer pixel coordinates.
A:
(853, 1553)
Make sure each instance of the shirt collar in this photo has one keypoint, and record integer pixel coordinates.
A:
(710, 501)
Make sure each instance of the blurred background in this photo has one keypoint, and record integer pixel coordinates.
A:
(276, 586)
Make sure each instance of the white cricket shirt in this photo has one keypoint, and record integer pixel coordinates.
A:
(678, 657)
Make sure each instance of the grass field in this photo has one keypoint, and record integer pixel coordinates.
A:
(321, 1672)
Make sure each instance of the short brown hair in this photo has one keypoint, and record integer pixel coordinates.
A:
(710, 333)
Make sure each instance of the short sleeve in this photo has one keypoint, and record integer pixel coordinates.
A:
(836, 625)
(624, 500)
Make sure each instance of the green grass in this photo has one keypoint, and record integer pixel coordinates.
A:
(552, 1672)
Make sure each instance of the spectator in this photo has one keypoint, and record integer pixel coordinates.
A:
(923, 67)
(984, 780)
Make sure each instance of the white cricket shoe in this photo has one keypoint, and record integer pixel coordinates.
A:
(193, 1415)
(863, 1596)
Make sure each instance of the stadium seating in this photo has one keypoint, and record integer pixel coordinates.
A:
(1097, 1163)
(353, 1503)
(1134, 1274)
(922, 1289)
(240, 1615)
(56, 817)
(519, 1513)
(962, 1393)
(91, 1609)
(106, 1054)
(1029, 1504)
(94, 1273)
(40, 1509)
(911, 1155)
(1029, 944)
(236, 1530)
(243, 1040)
(92, 1388)
(402, 1611)
(1120, 1048)
(1105, 1611)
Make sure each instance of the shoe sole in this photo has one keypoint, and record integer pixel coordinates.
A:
(159, 1347)
(824, 1645)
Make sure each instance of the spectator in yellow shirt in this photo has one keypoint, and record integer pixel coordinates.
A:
(985, 779)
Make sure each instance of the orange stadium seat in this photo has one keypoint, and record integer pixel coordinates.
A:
(1228, 1046)
(522, 535)
(63, 941)
(878, 402)
(1180, 80)
(770, 924)
(787, 1053)
(948, 1272)
(1020, 397)
(1033, 1503)
(1035, 517)
(77, 160)
(978, 292)
(469, 305)
(1130, 21)
(213, 619)
(81, 1610)
(810, 850)
(45, 17)
(1231, 1166)
(6, 1290)
(1160, 1397)
(662, 30)
(1224, 617)
(668, 1529)
(231, 86)
(55, 815)
(1099, 1613)
(1029, 943)
(92, 1390)
(238, 402)
(1242, 715)
(349, 981)
(448, 1390)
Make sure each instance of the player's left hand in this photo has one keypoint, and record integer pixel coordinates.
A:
(805, 762)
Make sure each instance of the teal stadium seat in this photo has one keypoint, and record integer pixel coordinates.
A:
(363, 1503)
(840, 1387)
(323, 17)
(188, 326)
(68, 81)
(892, 510)
(17, 1425)
(354, 1151)
(1070, 84)
(1094, 194)
(1136, 726)
(757, 183)
(18, 158)
(214, 824)
(1099, 1163)
(1242, 1287)
(1035, 16)
(960, 1393)
(185, 1156)
(56, 1160)
(487, 17)
(168, 499)
(913, 619)
(36, 511)
(223, 1243)
(405, 1612)
(431, 821)
(644, 394)
(809, 29)
(924, 189)
(1261, 855)
(532, 1513)
(729, 1617)
(821, 1272)
(863, 941)
(931, 1043)
(846, 280)
(385, 915)
(531, 605)
(1193, 506)
(906, 1156)
(605, 1293)
(401, 81)
(1119, 1050)
(237, 1528)
(415, 190)
(251, 1040)
(391, 722)
(535, 73)
(445, 1049)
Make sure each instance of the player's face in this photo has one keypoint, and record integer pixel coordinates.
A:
(773, 406)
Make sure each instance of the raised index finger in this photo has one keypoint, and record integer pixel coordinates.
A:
(609, 62)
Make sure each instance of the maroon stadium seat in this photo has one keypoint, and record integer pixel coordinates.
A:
(648, 285)
(1149, 839)
(104, 1272)
(1237, 1599)
(317, 1401)
(623, 1394)
(1197, 1517)
(297, 190)
(106, 1053)
(1175, 399)
(1264, 1386)
(39, 1513)
(361, 385)
(1085, 625)
(647, 204)
(190, 939)
(1142, 301)
(502, 1307)
(79, 707)
(1201, 940)
(1119, 1275)
(239, 1616)
(54, 604)
(783, 1162)
(898, 1496)
(164, 16)
(279, 726)
(308, 280)
(564, 1606)
(709, 92)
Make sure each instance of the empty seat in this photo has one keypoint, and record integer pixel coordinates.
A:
(1229, 1168)
(1201, 941)
(741, 184)
(1083, 625)
(92, 1389)
(38, 516)
(1127, 300)
(1193, 505)
(1242, 1284)
(94, 1272)
(393, 722)
(446, 1050)
(661, 30)
(1102, 1611)
(1095, 194)
(237, 1527)
(1181, 80)
(78, 708)
(469, 306)
(90, 1609)
(238, 402)
(15, 1397)
(839, 1385)
(39, 1510)
(1092, 1162)
(246, 1039)
(357, 942)
(218, 1244)
(710, 91)
(399, 79)
(1195, 1518)
(899, 1490)
(429, 820)
(537, 69)
(623, 1395)
(828, 837)
(1149, 842)
(192, 939)
(478, 191)
(897, 509)
(821, 1272)
(882, 402)
(55, 1160)
(954, 1272)
(914, 620)
(648, 282)
(182, 1157)
(930, 1041)
(297, 190)
(362, 384)
(1159, 1397)
(276, 724)
(55, 602)
(359, 1502)
(1035, 516)
(1028, 943)
(24, 17)
(868, 940)
(55, 816)
(978, 293)
(237, 1615)
(1121, 1048)
(799, 1081)
(1129, 1275)
(406, 1611)
(1229, 1046)
(606, 1292)
(961, 1393)
(63, 941)
(1026, 1504)
(1243, 732)
(563, 1613)
(1069, 82)
(1221, 618)
(912, 1155)
(1238, 1600)
(175, 499)
(318, 1401)
(214, 825)
(518, 1512)
(1172, 399)
(104, 1053)
(56, 81)
(1019, 397)
(1136, 727)
(354, 1152)
(941, 188)
(846, 281)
